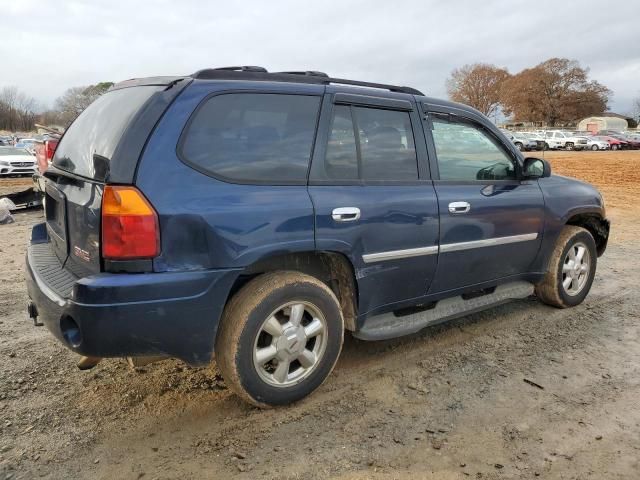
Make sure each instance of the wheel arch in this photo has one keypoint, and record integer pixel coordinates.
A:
(332, 268)
(595, 224)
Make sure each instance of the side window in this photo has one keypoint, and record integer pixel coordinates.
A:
(341, 160)
(253, 136)
(383, 148)
(465, 151)
(386, 144)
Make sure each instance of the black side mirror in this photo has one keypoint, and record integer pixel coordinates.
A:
(536, 168)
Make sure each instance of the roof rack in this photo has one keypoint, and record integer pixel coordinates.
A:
(310, 76)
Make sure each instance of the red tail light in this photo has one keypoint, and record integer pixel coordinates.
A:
(50, 149)
(129, 224)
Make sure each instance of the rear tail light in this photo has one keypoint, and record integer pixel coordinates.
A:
(129, 224)
(49, 150)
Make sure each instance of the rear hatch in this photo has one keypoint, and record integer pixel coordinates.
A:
(95, 150)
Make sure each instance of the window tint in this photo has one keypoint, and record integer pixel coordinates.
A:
(89, 143)
(253, 137)
(466, 151)
(342, 157)
(386, 145)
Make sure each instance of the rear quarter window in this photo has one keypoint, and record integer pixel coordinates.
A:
(252, 137)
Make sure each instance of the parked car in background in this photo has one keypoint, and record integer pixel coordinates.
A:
(521, 141)
(594, 143)
(632, 142)
(29, 144)
(565, 140)
(541, 144)
(614, 143)
(257, 216)
(16, 161)
(44, 154)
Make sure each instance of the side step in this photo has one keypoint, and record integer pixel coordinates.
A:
(388, 325)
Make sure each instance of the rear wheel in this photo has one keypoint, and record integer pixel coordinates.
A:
(279, 338)
(569, 146)
(519, 146)
(614, 147)
(572, 267)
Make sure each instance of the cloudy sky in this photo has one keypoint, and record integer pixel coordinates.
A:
(47, 46)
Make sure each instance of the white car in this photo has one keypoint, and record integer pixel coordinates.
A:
(16, 161)
(560, 139)
(596, 144)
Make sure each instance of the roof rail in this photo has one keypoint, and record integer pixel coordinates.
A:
(311, 73)
(309, 76)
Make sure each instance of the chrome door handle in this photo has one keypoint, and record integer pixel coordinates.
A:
(459, 207)
(346, 214)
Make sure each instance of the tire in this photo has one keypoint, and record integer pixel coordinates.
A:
(519, 146)
(594, 147)
(546, 146)
(568, 146)
(614, 147)
(551, 289)
(243, 333)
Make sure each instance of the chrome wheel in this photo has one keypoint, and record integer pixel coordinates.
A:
(576, 269)
(290, 344)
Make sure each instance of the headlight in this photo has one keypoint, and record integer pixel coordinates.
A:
(4, 163)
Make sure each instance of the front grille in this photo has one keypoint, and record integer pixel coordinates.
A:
(22, 164)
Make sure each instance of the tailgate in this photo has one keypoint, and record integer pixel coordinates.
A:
(72, 209)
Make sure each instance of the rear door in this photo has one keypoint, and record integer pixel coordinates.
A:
(491, 223)
(86, 157)
(372, 195)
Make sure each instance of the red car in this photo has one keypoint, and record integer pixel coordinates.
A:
(614, 143)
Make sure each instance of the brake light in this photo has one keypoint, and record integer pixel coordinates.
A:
(50, 149)
(129, 224)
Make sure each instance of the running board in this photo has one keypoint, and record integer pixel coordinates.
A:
(388, 325)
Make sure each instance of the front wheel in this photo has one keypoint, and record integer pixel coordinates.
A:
(569, 146)
(279, 338)
(594, 147)
(572, 267)
(614, 147)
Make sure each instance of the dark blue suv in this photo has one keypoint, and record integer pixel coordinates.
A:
(255, 216)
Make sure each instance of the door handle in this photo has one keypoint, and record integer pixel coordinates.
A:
(346, 214)
(459, 207)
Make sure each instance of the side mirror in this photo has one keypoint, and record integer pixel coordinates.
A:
(536, 168)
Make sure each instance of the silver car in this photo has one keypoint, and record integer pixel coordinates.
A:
(16, 161)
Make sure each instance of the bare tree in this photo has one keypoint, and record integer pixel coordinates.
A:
(76, 99)
(477, 85)
(555, 91)
(17, 110)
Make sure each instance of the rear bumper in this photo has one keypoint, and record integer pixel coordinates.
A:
(117, 315)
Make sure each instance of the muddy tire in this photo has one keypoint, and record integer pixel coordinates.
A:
(279, 338)
(571, 269)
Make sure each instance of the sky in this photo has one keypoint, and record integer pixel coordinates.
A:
(49, 46)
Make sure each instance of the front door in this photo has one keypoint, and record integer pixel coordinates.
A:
(490, 222)
(372, 197)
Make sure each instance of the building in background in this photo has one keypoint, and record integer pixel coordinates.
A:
(606, 121)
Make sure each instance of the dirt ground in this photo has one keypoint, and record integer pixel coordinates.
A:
(448, 403)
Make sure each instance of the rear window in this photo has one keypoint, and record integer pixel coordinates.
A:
(88, 145)
(253, 137)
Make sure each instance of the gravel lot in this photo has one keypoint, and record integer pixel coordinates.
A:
(451, 402)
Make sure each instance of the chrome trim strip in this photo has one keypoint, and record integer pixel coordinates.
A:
(488, 242)
(398, 254)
